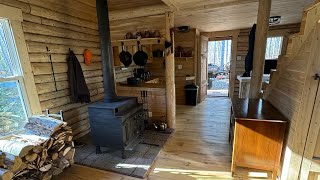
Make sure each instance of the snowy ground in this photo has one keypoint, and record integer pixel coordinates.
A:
(218, 87)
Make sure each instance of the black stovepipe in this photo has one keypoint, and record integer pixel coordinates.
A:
(106, 51)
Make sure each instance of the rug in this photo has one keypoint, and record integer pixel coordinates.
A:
(137, 164)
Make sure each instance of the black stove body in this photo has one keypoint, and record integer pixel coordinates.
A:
(116, 125)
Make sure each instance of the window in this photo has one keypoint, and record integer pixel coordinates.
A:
(274, 47)
(13, 111)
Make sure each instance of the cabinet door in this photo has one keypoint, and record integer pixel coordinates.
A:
(258, 144)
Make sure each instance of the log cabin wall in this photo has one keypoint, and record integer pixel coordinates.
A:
(51, 28)
(243, 45)
(185, 65)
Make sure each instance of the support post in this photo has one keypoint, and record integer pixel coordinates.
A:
(260, 47)
(170, 72)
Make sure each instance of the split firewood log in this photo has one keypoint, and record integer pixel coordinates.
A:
(15, 148)
(54, 156)
(31, 157)
(2, 159)
(37, 149)
(13, 163)
(48, 144)
(64, 151)
(69, 138)
(45, 168)
(21, 173)
(5, 174)
(31, 166)
(70, 155)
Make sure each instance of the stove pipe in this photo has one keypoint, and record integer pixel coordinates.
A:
(106, 51)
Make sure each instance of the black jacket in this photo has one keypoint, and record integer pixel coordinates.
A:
(78, 87)
(249, 57)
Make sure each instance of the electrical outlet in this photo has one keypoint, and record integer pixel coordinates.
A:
(239, 58)
(150, 114)
(179, 67)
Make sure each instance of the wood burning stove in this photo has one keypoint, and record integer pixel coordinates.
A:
(116, 125)
(117, 121)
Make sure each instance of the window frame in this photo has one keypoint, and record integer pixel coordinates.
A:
(18, 77)
(25, 78)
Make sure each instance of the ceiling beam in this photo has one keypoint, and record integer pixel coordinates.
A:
(138, 12)
(173, 6)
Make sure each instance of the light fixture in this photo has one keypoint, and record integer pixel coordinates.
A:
(274, 20)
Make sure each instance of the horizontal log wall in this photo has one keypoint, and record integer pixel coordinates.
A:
(243, 45)
(188, 41)
(51, 27)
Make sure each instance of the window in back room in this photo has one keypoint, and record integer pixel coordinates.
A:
(274, 47)
(13, 111)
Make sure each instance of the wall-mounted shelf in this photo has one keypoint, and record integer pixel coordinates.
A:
(184, 58)
(190, 78)
(143, 41)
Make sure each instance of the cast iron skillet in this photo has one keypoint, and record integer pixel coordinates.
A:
(140, 58)
(125, 57)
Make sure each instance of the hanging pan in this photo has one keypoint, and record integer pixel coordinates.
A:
(125, 57)
(140, 58)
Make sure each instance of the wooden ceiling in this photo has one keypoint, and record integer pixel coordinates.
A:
(207, 15)
(219, 15)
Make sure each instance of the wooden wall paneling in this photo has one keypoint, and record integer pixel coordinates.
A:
(311, 107)
(233, 63)
(316, 153)
(188, 41)
(50, 31)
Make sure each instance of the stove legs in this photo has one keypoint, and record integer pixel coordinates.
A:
(98, 150)
(124, 154)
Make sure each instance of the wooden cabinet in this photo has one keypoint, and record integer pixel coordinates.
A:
(257, 132)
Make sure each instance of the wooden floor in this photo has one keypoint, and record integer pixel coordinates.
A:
(199, 149)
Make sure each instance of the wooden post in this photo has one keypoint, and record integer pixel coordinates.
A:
(170, 73)
(260, 47)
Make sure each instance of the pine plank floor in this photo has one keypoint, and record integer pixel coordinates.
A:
(198, 149)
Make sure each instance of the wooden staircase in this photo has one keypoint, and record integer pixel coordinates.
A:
(298, 47)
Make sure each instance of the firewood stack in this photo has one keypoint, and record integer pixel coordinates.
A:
(43, 149)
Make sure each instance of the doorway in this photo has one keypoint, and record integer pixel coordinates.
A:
(219, 60)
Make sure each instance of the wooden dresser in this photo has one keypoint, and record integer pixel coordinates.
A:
(257, 131)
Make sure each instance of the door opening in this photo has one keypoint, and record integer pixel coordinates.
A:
(219, 57)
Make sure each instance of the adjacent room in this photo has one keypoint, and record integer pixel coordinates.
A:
(159, 89)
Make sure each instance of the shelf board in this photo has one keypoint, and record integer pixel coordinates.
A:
(143, 41)
(183, 58)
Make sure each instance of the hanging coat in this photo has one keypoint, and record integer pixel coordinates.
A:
(78, 87)
(249, 57)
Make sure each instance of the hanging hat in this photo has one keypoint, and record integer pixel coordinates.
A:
(87, 56)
